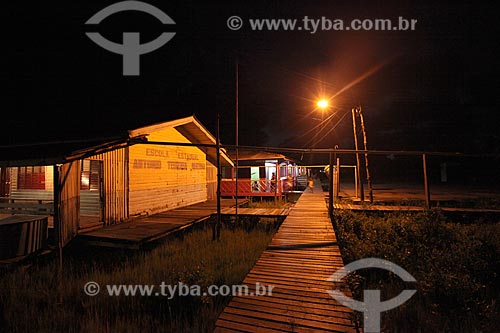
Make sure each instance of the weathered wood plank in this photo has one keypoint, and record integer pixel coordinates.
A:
(288, 319)
(135, 233)
(318, 315)
(255, 211)
(298, 261)
(306, 307)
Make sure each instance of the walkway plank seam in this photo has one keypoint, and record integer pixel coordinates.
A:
(299, 259)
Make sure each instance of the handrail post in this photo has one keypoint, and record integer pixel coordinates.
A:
(330, 188)
(426, 183)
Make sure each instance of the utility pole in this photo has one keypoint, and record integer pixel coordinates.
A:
(368, 177)
(360, 181)
(237, 142)
(316, 138)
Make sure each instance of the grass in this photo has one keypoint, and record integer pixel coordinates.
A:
(267, 203)
(457, 268)
(32, 301)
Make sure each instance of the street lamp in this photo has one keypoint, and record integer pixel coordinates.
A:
(322, 104)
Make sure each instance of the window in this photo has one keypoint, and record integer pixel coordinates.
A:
(31, 178)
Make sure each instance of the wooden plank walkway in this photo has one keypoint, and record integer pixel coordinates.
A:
(298, 261)
(257, 211)
(137, 232)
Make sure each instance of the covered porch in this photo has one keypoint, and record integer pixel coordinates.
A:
(261, 174)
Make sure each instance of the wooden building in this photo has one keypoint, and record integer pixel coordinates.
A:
(262, 174)
(103, 182)
(167, 177)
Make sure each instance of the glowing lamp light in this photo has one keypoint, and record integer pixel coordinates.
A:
(322, 104)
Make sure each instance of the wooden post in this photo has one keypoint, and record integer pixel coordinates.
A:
(368, 177)
(426, 183)
(330, 188)
(216, 226)
(276, 177)
(337, 178)
(356, 183)
(361, 193)
(58, 226)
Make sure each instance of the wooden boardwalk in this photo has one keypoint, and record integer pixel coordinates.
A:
(257, 211)
(298, 261)
(137, 232)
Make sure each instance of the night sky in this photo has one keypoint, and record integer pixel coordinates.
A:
(434, 88)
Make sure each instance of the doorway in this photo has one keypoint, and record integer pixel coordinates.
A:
(91, 194)
(4, 184)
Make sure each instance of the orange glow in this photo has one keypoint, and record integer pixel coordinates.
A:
(322, 104)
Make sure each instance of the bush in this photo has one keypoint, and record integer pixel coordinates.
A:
(457, 268)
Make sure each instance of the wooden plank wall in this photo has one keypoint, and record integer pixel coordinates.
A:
(67, 180)
(115, 185)
(166, 177)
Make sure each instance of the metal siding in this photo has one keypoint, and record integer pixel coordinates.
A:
(89, 203)
(115, 186)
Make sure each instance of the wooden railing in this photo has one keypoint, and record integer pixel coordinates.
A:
(261, 187)
(26, 206)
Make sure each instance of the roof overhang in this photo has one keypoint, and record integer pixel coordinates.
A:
(191, 129)
(258, 156)
(51, 153)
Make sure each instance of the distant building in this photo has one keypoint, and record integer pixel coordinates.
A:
(262, 174)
